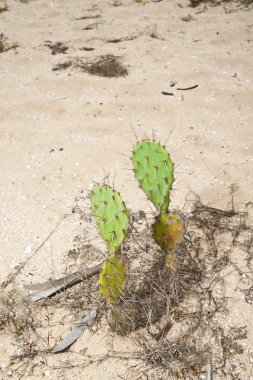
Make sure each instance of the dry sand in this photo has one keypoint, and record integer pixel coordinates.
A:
(62, 130)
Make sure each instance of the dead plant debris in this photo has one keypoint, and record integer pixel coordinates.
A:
(183, 314)
(56, 47)
(4, 45)
(188, 18)
(104, 65)
(3, 7)
(90, 26)
(88, 17)
(195, 3)
(63, 66)
(122, 39)
(87, 48)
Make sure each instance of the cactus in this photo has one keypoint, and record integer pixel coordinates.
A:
(168, 231)
(153, 169)
(112, 218)
(111, 215)
(112, 278)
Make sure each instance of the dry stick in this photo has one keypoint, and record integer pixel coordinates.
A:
(12, 276)
(88, 17)
(122, 39)
(187, 88)
(51, 287)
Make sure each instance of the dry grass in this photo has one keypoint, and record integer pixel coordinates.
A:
(4, 45)
(177, 319)
(105, 65)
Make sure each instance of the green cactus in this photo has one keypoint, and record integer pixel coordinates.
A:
(111, 215)
(112, 278)
(153, 169)
(112, 218)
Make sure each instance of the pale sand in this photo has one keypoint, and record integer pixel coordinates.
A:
(90, 117)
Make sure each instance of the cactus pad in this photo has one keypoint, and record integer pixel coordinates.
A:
(168, 231)
(111, 215)
(153, 170)
(112, 278)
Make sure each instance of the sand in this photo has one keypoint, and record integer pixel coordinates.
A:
(63, 130)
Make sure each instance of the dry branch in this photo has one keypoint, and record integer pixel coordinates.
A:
(51, 287)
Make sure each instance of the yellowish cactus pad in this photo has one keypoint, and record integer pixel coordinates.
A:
(112, 278)
(168, 232)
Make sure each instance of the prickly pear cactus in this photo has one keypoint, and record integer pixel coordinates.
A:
(112, 278)
(168, 231)
(153, 169)
(111, 215)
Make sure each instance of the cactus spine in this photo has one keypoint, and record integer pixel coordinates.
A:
(112, 218)
(154, 170)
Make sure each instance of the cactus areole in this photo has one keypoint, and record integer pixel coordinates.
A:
(111, 215)
(153, 169)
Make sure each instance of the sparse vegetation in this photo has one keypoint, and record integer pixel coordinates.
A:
(3, 6)
(179, 283)
(184, 319)
(4, 45)
(104, 66)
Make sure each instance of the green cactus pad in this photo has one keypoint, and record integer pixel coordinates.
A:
(153, 170)
(111, 215)
(112, 278)
(168, 231)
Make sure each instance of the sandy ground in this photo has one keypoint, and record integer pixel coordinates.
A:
(62, 130)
